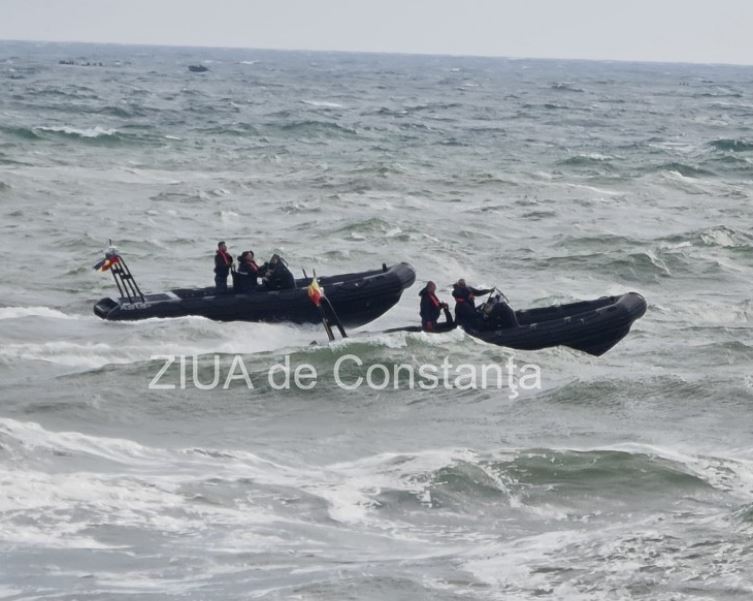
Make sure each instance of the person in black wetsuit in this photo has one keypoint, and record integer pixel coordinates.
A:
(277, 276)
(496, 314)
(431, 307)
(465, 303)
(248, 272)
(223, 263)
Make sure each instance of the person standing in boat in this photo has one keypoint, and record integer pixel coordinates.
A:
(277, 276)
(431, 307)
(465, 303)
(248, 272)
(223, 263)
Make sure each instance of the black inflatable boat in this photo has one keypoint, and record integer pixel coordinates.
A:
(357, 298)
(593, 326)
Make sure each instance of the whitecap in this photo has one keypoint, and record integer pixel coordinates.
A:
(89, 132)
(18, 312)
(323, 104)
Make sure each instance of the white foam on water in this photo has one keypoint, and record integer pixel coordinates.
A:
(33, 311)
(6, 592)
(323, 104)
(145, 340)
(89, 132)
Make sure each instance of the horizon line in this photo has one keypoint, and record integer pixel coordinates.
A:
(381, 52)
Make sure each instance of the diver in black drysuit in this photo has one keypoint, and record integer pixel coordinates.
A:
(466, 313)
(496, 314)
(277, 276)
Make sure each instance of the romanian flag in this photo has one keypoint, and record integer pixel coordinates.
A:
(315, 292)
(107, 262)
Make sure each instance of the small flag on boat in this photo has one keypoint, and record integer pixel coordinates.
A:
(315, 292)
(107, 262)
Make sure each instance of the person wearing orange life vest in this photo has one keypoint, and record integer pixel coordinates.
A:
(223, 263)
(431, 307)
(248, 272)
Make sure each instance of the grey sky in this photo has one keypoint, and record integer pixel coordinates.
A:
(658, 30)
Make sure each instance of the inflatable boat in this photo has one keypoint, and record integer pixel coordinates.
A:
(357, 298)
(593, 326)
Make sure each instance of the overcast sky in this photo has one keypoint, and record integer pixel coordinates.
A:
(654, 30)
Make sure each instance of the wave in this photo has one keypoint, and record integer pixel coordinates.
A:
(566, 87)
(636, 467)
(83, 480)
(148, 338)
(585, 160)
(19, 312)
(323, 104)
(718, 94)
(40, 132)
(25, 133)
(121, 112)
(182, 197)
(309, 127)
(233, 129)
(73, 92)
(433, 106)
(604, 241)
(684, 169)
(732, 145)
(88, 132)
(97, 135)
(644, 266)
(719, 236)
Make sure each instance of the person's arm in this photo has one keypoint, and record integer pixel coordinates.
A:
(480, 291)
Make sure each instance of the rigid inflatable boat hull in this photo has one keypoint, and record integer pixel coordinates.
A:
(593, 327)
(357, 298)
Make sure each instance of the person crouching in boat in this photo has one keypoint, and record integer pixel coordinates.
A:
(431, 307)
(497, 314)
(247, 273)
(466, 313)
(277, 276)
(223, 263)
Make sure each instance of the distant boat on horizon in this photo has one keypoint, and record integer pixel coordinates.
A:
(197, 68)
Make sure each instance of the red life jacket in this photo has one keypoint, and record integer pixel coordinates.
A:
(433, 298)
(225, 257)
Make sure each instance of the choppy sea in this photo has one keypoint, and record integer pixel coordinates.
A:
(628, 476)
